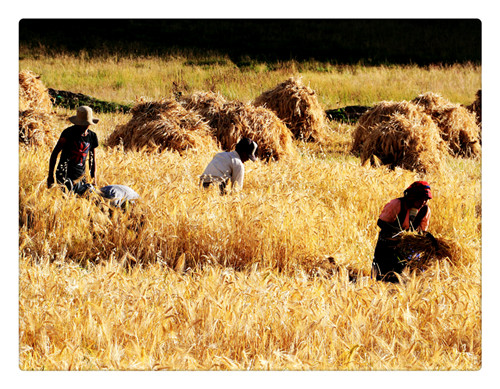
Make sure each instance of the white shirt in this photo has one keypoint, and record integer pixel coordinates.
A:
(225, 166)
(118, 194)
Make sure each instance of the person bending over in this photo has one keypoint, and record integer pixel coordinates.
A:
(228, 166)
(407, 213)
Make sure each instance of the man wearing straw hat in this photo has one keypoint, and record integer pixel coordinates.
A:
(406, 213)
(76, 144)
(228, 166)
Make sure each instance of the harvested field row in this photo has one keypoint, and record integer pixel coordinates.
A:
(291, 110)
(391, 133)
(201, 121)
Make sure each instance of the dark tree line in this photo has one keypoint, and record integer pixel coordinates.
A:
(343, 41)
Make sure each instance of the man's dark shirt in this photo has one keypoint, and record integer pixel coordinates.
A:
(75, 150)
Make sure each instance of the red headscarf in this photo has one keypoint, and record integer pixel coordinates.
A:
(419, 189)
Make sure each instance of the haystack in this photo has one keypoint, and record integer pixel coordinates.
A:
(163, 125)
(206, 104)
(456, 124)
(409, 141)
(381, 112)
(35, 110)
(475, 108)
(298, 107)
(232, 120)
(35, 127)
(32, 93)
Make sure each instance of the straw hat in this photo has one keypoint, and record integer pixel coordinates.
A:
(83, 117)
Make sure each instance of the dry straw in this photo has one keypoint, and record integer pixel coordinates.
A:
(423, 250)
(457, 125)
(163, 125)
(35, 107)
(380, 113)
(207, 104)
(32, 93)
(232, 120)
(408, 141)
(297, 105)
(414, 134)
(475, 107)
(35, 127)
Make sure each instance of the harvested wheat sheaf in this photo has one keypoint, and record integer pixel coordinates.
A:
(298, 107)
(32, 93)
(163, 125)
(35, 110)
(421, 250)
(456, 124)
(475, 107)
(456, 128)
(410, 141)
(381, 112)
(35, 127)
(206, 104)
(232, 120)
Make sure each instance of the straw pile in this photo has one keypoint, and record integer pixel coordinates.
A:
(410, 141)
(298, 107)
(457, 125)
(475, 108)
(32, 93)
(407, 132)
(232, 120)
(379, 113)
(161, 125)
(35, 106)
(35, 127)
(421, 250)
(206, 104)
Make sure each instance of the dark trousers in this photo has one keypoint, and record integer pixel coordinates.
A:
(387, 261)
(79, 187)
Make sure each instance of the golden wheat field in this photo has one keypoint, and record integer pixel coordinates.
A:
(191, 280)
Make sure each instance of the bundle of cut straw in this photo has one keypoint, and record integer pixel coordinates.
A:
(237, 120)
(232, 120)
(32, 93)
(475, 107)
(457, 125)
(35, 127)
(298, 107)
(35, 110)
(411, 143)
(379, 113)
(206, 104)
(161, 125)
(421, 250)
